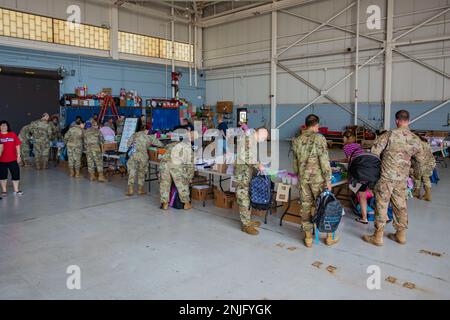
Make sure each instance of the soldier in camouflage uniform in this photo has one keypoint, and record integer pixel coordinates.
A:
(74, 143)
(138, 162)
(422, 174)
(93, 140)
(41, 131)
(176, 165)
(312, 165)
(120, 123)
(246, 164)
(25, 137)
(397, 147)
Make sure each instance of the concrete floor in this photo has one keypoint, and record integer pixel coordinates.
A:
(129, 249)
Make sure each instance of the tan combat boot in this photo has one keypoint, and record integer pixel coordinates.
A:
(399, 236)
(92, 176)
(130, 191)
(38, 165)
(72, 172)
(187, 206)
(164, 206)
(427, 196)
(254, 224)
(375, 239)
(416, 193)
(308, 239)
(45, 165)
(77, 173)
(250, 230)
(101, 177)
(141, 190)
(329, 241)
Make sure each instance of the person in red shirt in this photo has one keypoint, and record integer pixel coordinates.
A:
(9, 158)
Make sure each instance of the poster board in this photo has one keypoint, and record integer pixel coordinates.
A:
(128, 129)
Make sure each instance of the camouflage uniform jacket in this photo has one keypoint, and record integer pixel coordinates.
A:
(74, 138)
(25, 134)
(120, 124)
(142, 141)
(56, 132)
(93, 138)
(179, 155)
(396, 148)
(429, 162)
(246, 158)
(41, 130)
(311, 161)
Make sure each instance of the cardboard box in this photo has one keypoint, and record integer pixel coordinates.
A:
(224, 106)
(202, 193)
(107, 91)
(123, 103)
(235, 209)
(223, 199)
(109, 146)
(293, 209)
(153, 155)
(221, 168)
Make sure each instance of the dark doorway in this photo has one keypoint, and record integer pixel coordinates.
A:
(25, 98)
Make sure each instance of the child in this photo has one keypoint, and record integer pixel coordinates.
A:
(352, 149)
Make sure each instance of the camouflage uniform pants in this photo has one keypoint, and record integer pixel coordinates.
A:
(137, 168)
(41, 150)
(94, 160)
(425, 179)
(394, 192)
(243, 177)
(167, 174)
(74, 157)
(25, 150)
(309, 192)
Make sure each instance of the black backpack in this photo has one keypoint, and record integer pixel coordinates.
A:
(365, 168)
(328, 212)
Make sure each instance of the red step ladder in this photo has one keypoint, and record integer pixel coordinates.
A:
(108, 103)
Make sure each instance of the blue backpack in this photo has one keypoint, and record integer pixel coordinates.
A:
(328, 213)
(261, 192)
(434, 177)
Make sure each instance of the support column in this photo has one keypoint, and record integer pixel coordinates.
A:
(273, 73)
(388, 64)
(114, 32)
(355, 121)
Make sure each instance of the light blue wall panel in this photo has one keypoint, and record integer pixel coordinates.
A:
(97, 73)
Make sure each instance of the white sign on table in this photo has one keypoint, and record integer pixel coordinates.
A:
(128, 129)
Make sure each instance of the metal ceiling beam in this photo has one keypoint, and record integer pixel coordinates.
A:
(325, 92)
(316, 28)
(259, 10)
(422, 24)
(424, 64)
(331, 25)
(146, 10)
(430, 111)
(327, 96)
(221, 14)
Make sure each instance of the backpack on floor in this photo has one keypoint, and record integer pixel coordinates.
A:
(434, 177)
(365, 168)
(175, 201)
(371, 205)
(261, 192)
(328, 212)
